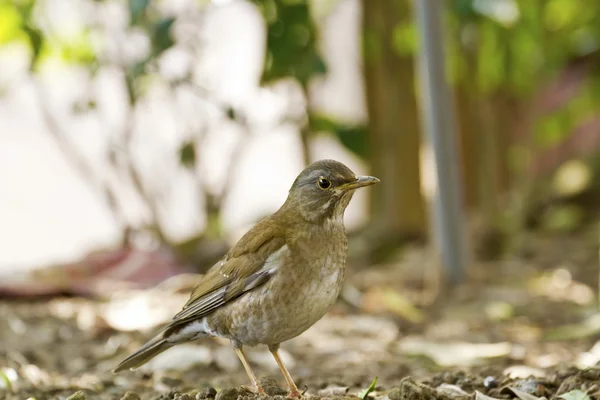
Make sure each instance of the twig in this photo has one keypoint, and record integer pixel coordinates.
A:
(76, 159)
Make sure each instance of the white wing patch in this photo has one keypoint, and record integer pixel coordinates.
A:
(192, 331)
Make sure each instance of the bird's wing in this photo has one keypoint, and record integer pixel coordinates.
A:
(250, 263)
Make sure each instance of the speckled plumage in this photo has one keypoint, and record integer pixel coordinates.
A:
(279, 279)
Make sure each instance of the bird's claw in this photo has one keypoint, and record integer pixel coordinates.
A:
(294, 394)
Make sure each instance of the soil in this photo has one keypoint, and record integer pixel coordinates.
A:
(524, 325)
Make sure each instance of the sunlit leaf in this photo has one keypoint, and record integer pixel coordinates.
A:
(10, 23)
(365, 393)
(575, 395)
(404, 38)
(78, 50)
(490, 57)
(5, 381)
(558, 14)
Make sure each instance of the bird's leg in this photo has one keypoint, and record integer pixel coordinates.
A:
(294, 392)
(240, 353)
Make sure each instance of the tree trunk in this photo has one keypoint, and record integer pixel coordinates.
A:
(397, 204)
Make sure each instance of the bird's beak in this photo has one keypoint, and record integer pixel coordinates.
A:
(360, 181)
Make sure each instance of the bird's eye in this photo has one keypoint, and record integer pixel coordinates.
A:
(324, 183)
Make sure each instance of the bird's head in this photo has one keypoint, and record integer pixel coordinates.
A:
(324, 189)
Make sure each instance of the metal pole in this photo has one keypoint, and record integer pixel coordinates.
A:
(439, 125)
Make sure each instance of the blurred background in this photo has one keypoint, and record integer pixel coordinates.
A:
(140, 139)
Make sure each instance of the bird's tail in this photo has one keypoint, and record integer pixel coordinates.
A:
(151, 349)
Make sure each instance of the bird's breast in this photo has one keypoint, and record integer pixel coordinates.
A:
(296, 297)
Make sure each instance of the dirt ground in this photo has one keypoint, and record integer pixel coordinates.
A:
(527, 326)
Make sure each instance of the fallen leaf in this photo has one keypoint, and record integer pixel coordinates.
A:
(333, 391)
(523, 372)
(524, 395)
(451, 390)
(481, 396)
(589, 327)
(380, 299)
(575, 395)
(454, 353)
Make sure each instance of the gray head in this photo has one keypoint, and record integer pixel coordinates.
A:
(324, 190)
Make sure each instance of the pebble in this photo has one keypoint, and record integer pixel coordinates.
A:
(410, 389)
(130, 396)
(228, 394)
(490, 382)
(275, 391)
(79, 395)
(206, 393)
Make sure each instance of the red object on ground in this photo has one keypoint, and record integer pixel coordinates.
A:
(99, 273)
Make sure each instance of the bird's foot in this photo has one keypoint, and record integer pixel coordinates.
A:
(294, 394)
(255, 389)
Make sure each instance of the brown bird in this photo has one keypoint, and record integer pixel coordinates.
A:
(278, 280)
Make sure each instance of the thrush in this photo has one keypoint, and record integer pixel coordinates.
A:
(278, 280)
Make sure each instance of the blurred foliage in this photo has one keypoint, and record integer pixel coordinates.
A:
(513, 48)
(352, 136)
(517, 46)
(291, 41)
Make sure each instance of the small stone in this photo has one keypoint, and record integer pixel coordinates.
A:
(79, 395)
(275, 391)
(206, 393)
(170, 382)
(410, 389)
(490, 382)
(395, 394)
(183, 396)
(228, 394)
(130, 396)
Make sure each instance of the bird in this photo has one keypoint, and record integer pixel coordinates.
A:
(278, 280)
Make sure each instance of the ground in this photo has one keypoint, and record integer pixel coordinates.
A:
(527, 325)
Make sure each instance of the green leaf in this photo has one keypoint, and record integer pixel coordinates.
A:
(137, 8)
(36, 40)
(404, 38)
(231, 113)
(575, 395)
(353, 137)
(365, 393)
(291, 41)
(161, 35)
(4, 380)
(79, 50)
(10, 23)
(187, 155)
